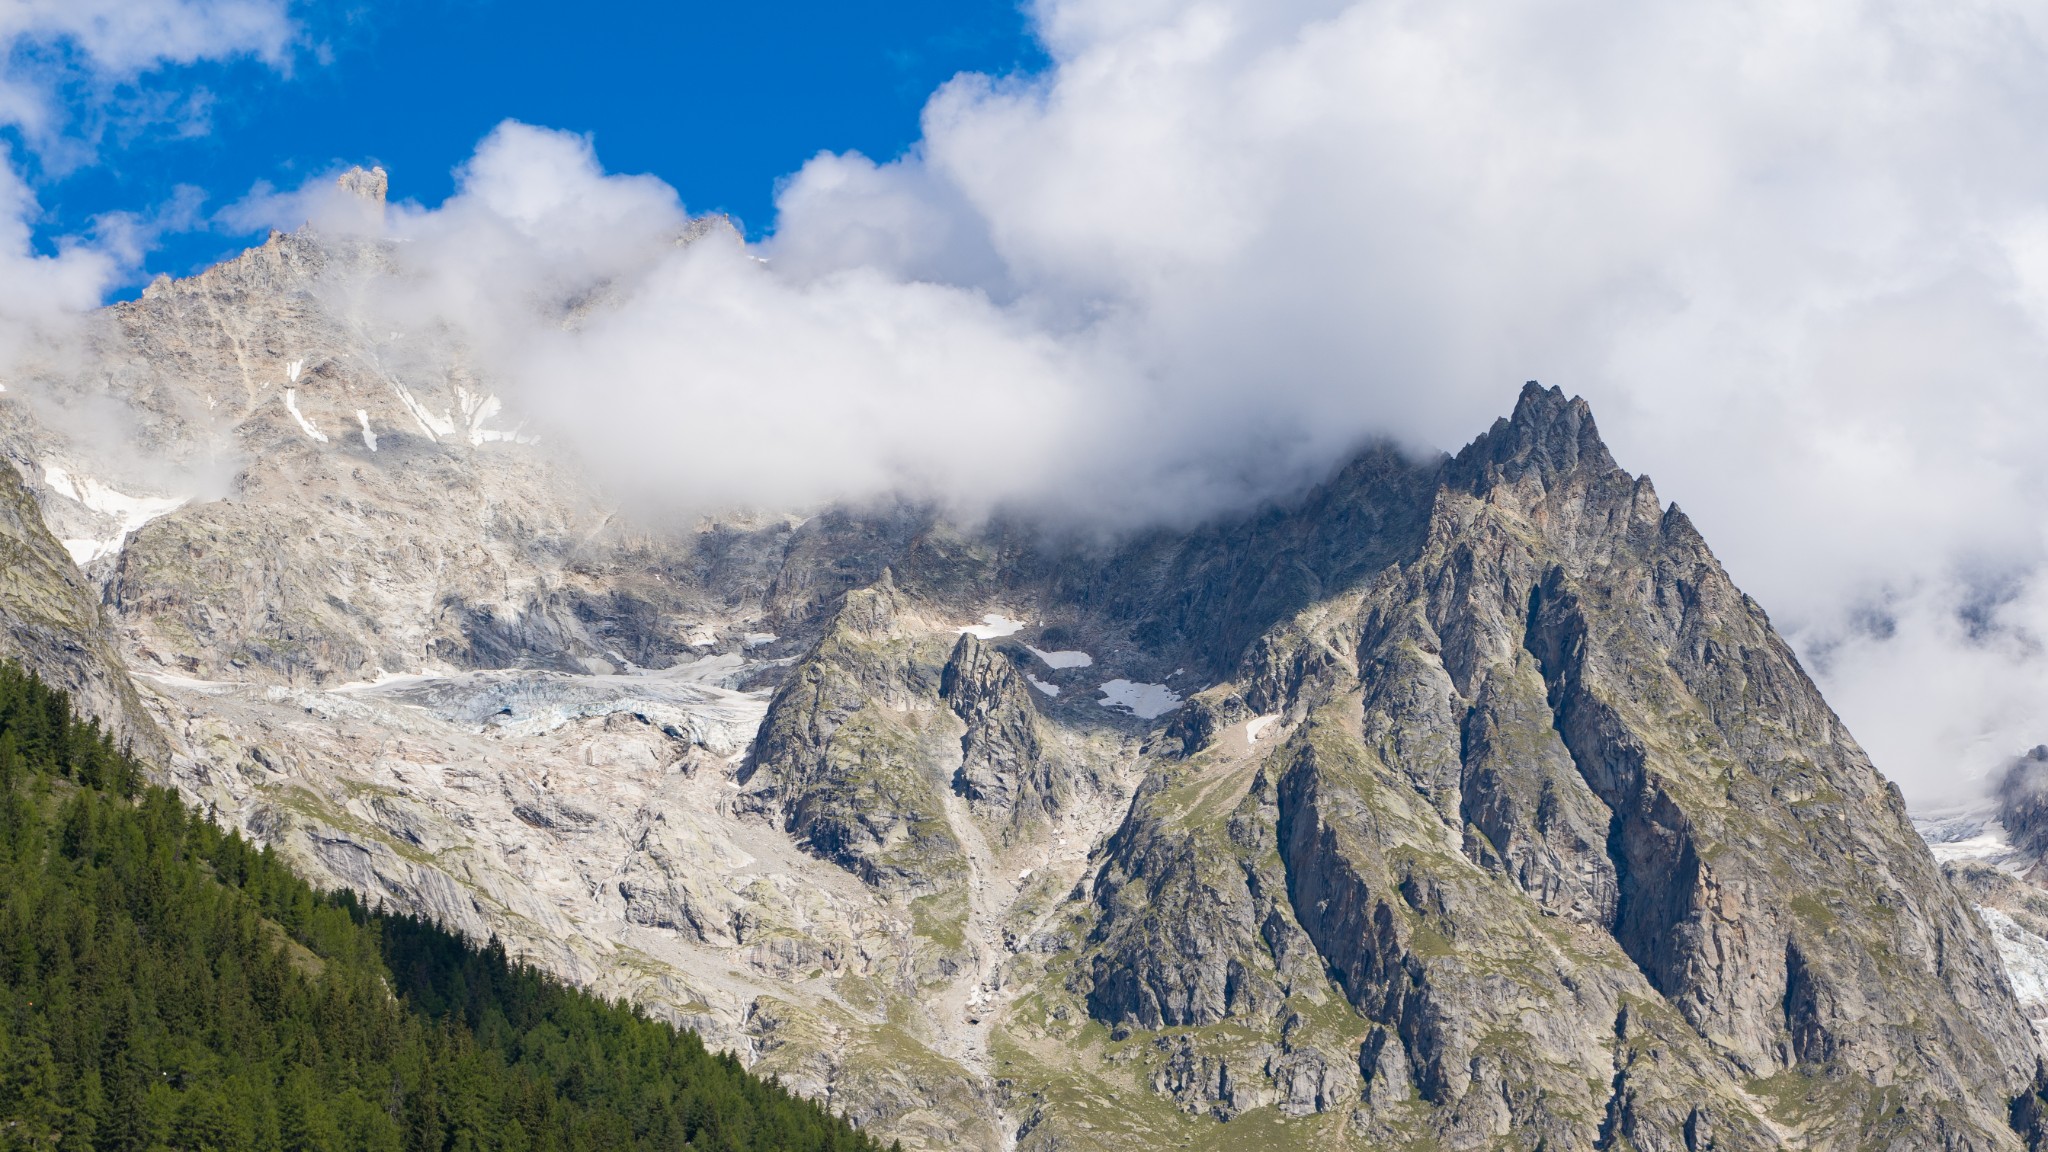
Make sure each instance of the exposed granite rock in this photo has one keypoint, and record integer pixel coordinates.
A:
(371, 184)
(848, 751)
(1178, 939)
(1004, 767)
(1765, 883)
(1526, 810)
(1201, 720)
(2023, 800)
(384, 514)
(50, 622)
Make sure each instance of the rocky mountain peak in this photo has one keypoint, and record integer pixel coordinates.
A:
(1548, 435)
(371, 184)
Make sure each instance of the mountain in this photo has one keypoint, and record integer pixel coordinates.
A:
(1461, 801)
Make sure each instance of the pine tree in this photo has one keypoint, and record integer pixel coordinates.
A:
(147, 1000)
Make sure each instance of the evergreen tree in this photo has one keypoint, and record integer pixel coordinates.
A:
(166, 985)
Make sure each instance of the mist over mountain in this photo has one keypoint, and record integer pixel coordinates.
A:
(1455, 798)
(1213, 250)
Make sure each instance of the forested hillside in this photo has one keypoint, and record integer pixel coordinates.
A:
(164, 984)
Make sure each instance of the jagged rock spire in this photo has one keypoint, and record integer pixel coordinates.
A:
(1548, 433)
(371, 184)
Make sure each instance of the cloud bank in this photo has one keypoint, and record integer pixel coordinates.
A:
(1795, 255)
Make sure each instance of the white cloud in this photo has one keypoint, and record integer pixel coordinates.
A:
(84, 48)
(703, 376)
(1796, 255)
(124, 37)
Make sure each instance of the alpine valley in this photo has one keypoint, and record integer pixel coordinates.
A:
(1461, 802)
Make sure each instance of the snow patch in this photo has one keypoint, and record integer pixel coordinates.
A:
(291, 404)
(189, 684)
(107, 501)
(1257, 724)
(131, 512)
(468, 420)
(1145, 701)
(369, 437)
(757, 639)
(994, 626)
(477, 410)
(382, 679)
(1042, 686)
(1063, 659)
(724, 670)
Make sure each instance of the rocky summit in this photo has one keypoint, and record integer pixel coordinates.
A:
(1460, 802)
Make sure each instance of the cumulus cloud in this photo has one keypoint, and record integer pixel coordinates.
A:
(687, 365)
(1795, 255)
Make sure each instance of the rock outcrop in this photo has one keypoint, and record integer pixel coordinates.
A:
(50, 622)
(2023, 800)
(850, 751)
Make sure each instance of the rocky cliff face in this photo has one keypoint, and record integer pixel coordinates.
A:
(1548, 796)
(50, 622)
(1462, 802)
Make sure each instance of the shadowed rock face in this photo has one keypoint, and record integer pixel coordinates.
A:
(1490, 813)
(1003, 766)
(2023, 801)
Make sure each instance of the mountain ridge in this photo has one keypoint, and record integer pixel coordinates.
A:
(1472, 803)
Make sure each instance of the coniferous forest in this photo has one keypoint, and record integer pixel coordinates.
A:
(165, 985)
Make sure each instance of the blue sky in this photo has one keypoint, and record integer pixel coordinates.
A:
(719, 100)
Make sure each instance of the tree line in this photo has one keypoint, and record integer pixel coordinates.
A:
(165, 984)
